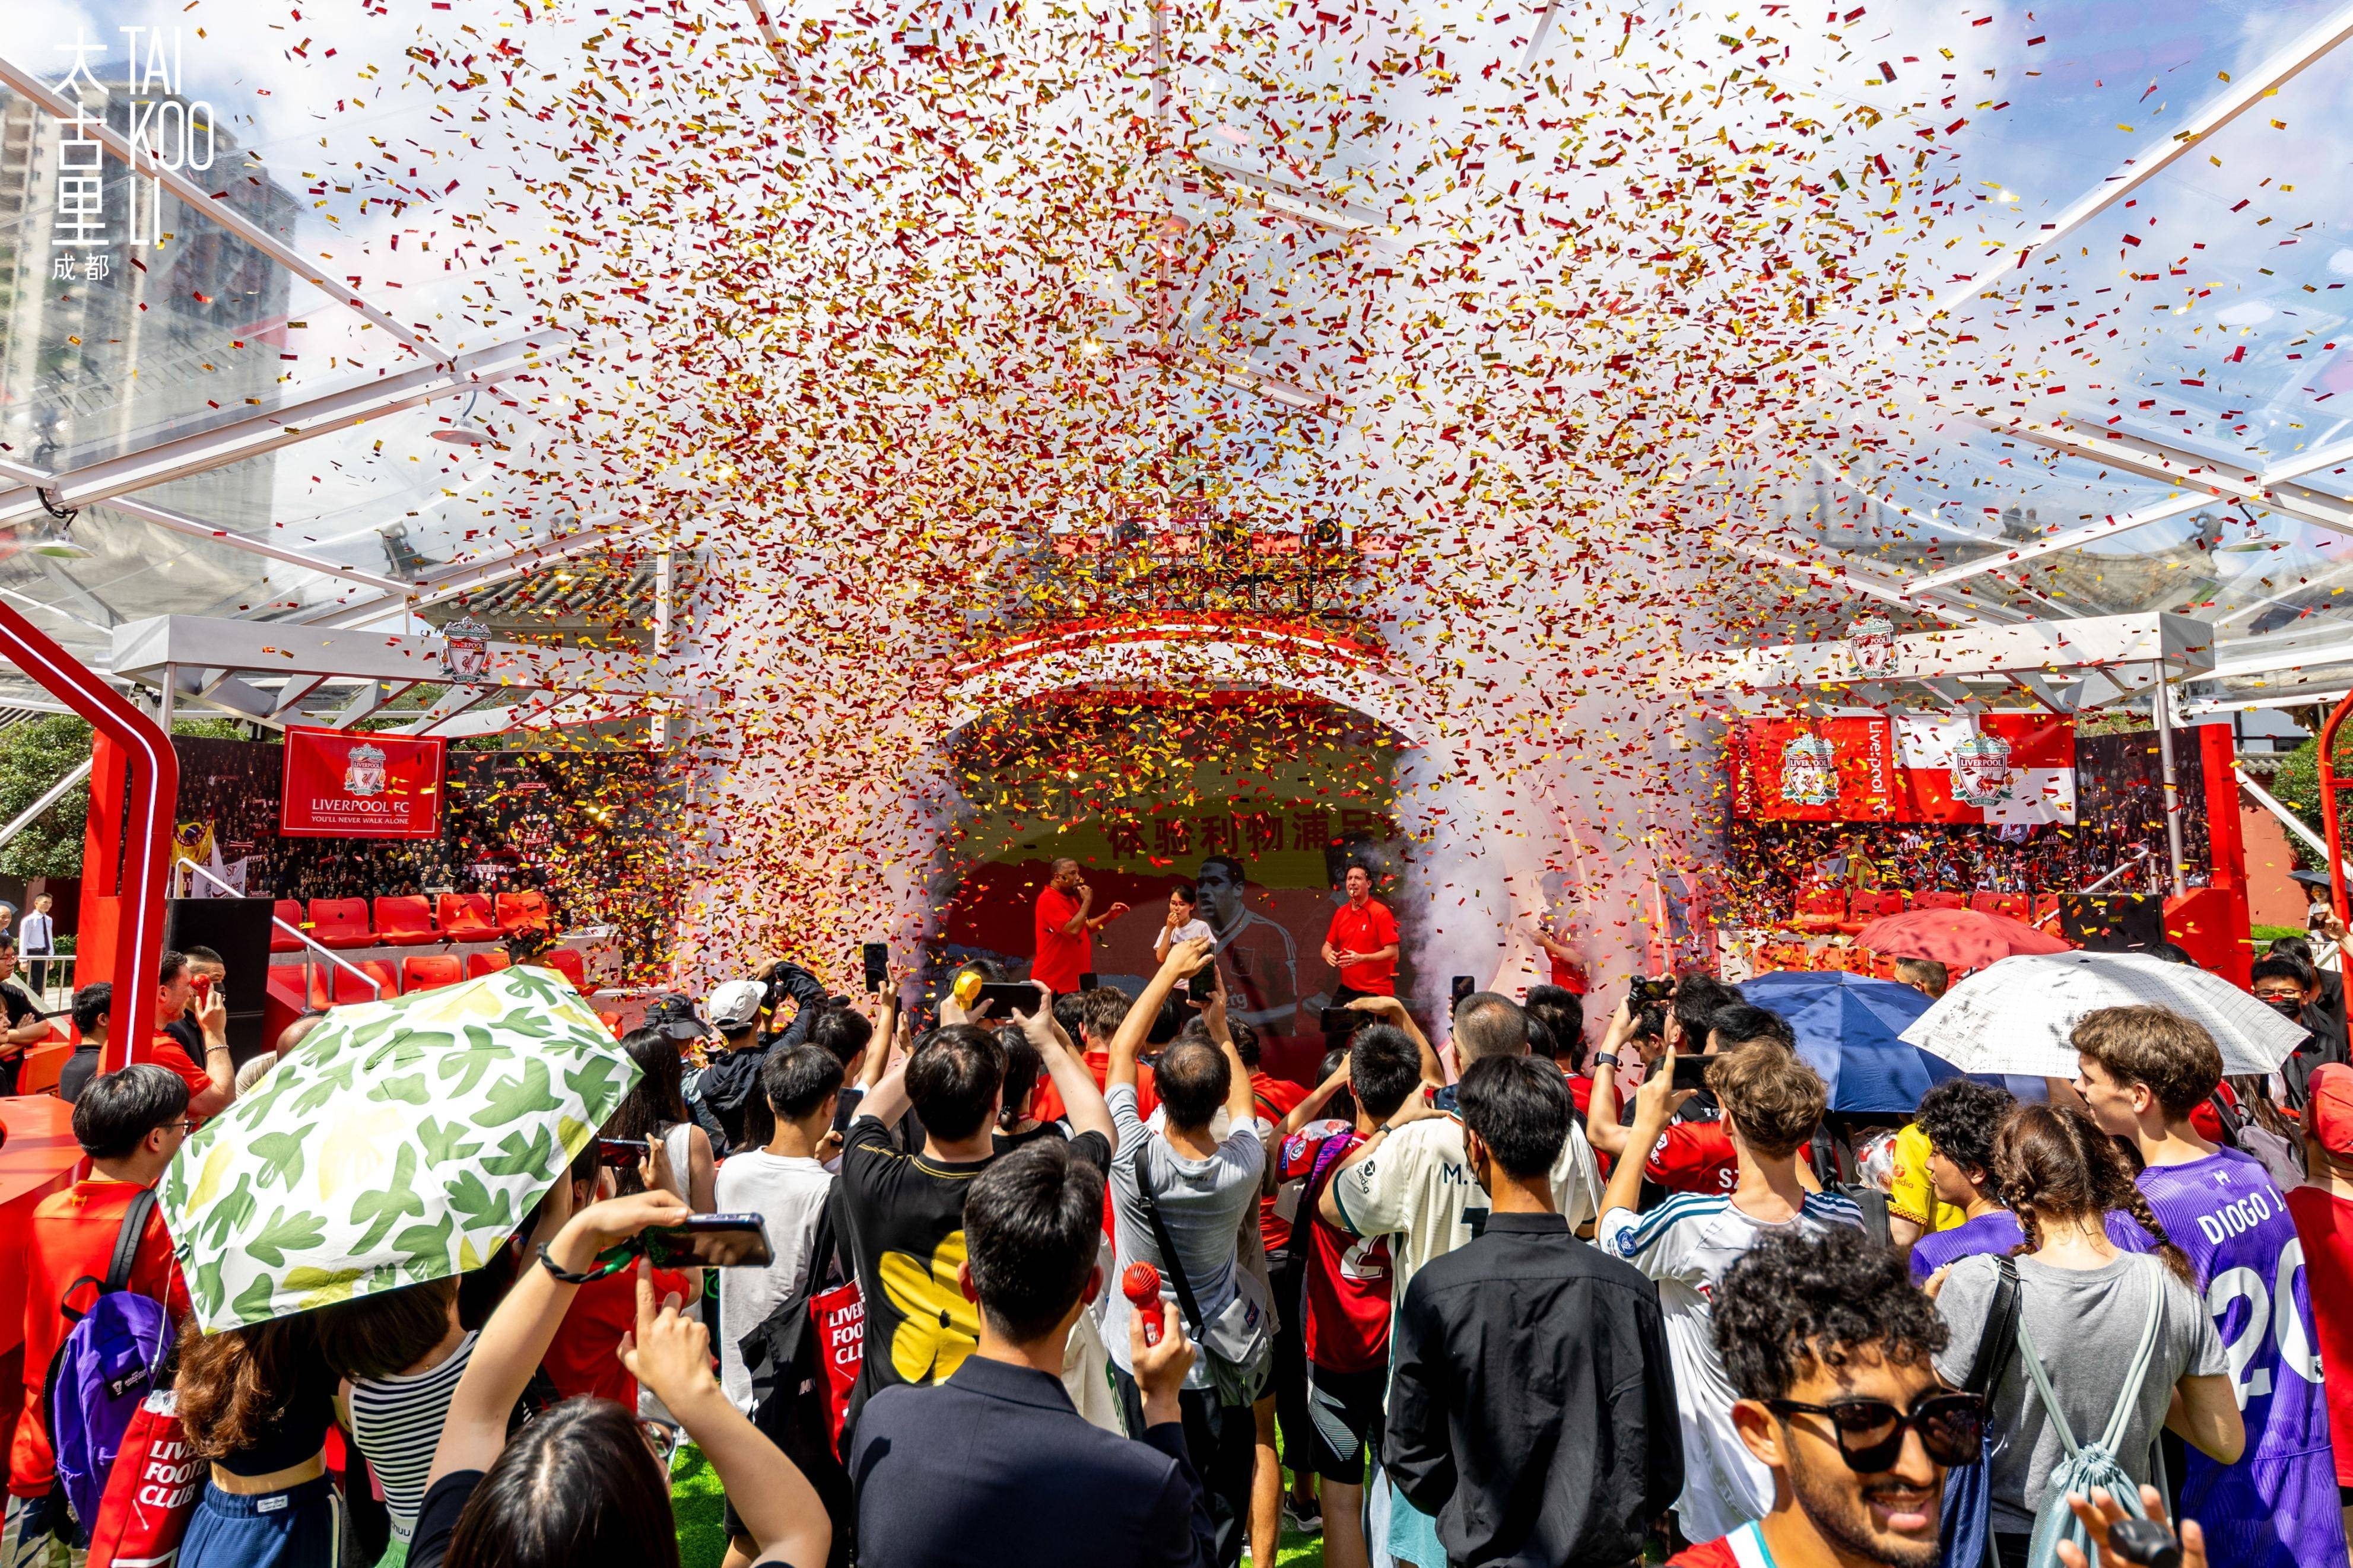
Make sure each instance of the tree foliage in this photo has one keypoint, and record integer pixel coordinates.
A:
(35, 755)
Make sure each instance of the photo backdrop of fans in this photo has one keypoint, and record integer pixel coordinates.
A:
(2023, 802)
(585, 828)
(1268, 801)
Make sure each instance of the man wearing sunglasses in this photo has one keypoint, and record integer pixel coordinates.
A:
(1831, 1349)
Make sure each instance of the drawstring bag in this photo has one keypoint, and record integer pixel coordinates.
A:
(2087, 1467)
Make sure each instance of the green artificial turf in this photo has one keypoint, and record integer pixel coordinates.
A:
(703, 1539)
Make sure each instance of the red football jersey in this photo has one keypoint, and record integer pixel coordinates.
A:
(1347, 1327)
(1694, 1157)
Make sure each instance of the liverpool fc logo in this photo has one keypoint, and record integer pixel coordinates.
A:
(1981, 771)
(363, 771)
(1808, 772)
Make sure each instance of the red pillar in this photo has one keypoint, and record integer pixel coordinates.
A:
(123, 886)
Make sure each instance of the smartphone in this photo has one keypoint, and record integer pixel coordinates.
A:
(877, 957)
(1014, 998)
(1645, 992)
(1089, 981)
(710, 1241)
(623, 1154)
(1200, 988)
(1463, 986)
(1690, 1072)
(1342, 1020)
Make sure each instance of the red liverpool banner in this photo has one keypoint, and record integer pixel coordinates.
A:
(1827, 770)
(2006, 768)
(339, 784)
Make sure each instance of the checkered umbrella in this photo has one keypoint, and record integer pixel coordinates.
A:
(2015, 1017)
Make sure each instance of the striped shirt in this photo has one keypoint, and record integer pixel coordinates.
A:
(396, 1422)
(1687, 1243)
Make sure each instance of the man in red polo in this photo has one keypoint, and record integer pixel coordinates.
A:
(1362, 944)
(130, 1124)
(1066, 928)
(211, 1086)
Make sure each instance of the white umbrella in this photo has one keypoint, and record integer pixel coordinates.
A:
(2015, 1015)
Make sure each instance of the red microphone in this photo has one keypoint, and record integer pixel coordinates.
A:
(1141, 1284)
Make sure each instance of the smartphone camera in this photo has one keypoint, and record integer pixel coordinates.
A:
(1643, 993)
(1463, 986)
(876, 957)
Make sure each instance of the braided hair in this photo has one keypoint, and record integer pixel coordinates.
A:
(2055, 1166)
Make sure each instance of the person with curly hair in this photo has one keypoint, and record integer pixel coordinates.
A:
(2085, 1303)
(1833, 1351)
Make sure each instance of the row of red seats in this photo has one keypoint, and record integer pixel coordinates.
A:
(1834, 908)
(419, 972)
(410, 921)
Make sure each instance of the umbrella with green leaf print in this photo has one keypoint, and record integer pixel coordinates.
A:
(402, 1141)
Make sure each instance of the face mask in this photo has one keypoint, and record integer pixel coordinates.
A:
(2286, 1006)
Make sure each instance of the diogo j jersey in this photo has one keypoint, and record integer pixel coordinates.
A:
(2277, 1507)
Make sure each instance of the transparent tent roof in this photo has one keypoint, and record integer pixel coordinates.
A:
(2152, 410)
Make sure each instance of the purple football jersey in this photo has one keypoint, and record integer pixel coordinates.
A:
(2277, 1507)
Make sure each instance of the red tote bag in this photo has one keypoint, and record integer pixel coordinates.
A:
(150, 1493)
(839, 1315)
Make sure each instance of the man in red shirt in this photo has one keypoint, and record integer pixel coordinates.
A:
(211, 1086)
(1065, 947)
(1105, 1009)
(2322, 1211)
(130, 1123)
(1362, 944)
(1691, 1156)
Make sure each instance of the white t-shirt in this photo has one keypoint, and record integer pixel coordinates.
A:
(1186, 932)
(789, 1193)
(1419, 1189)
(1686, 1244)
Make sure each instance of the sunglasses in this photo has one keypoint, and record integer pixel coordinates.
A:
(1870, 1432)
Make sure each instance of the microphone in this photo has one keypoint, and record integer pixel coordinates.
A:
(1140, 1285)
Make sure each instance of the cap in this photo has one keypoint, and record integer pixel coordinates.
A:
(2328, 1108)
(676, 1017)
(736, 1004)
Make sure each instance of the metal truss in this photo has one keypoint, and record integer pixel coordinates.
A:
(210, 449)
(2245, 93)
(206, 203)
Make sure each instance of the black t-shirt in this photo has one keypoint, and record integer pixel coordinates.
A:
(445, 1501)
(904, 1218)
(295, 1433)
(20, 1011)
(1008, 1142)
(75, 1076)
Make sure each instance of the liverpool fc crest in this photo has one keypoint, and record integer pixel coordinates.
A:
(363, 771)
(1808, 772)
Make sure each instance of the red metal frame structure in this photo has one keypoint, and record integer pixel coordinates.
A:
(2329, 785)
(133, 762)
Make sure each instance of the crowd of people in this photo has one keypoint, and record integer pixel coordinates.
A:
(1062, 1275)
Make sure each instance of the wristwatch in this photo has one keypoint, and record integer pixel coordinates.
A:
(1605, 1058)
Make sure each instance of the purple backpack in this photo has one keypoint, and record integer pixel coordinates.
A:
(111, 1358)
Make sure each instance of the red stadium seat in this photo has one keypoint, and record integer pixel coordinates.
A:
(480, 963)
(341, 923)
(2014, 906)
(1867, 907)
(1939, 901)
(349, 988)
(424, 970)
(289, 912)
(526, 910)
(1821, 909)
(42, 1063)
(566, 962)
(468, 917)
(405, 922)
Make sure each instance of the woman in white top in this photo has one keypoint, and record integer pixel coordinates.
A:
(1182, 924)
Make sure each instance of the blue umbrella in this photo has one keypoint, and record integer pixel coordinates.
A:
(1850, 1030)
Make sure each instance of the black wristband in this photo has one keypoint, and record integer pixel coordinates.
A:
(569, 1279)
(1604, 1058)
